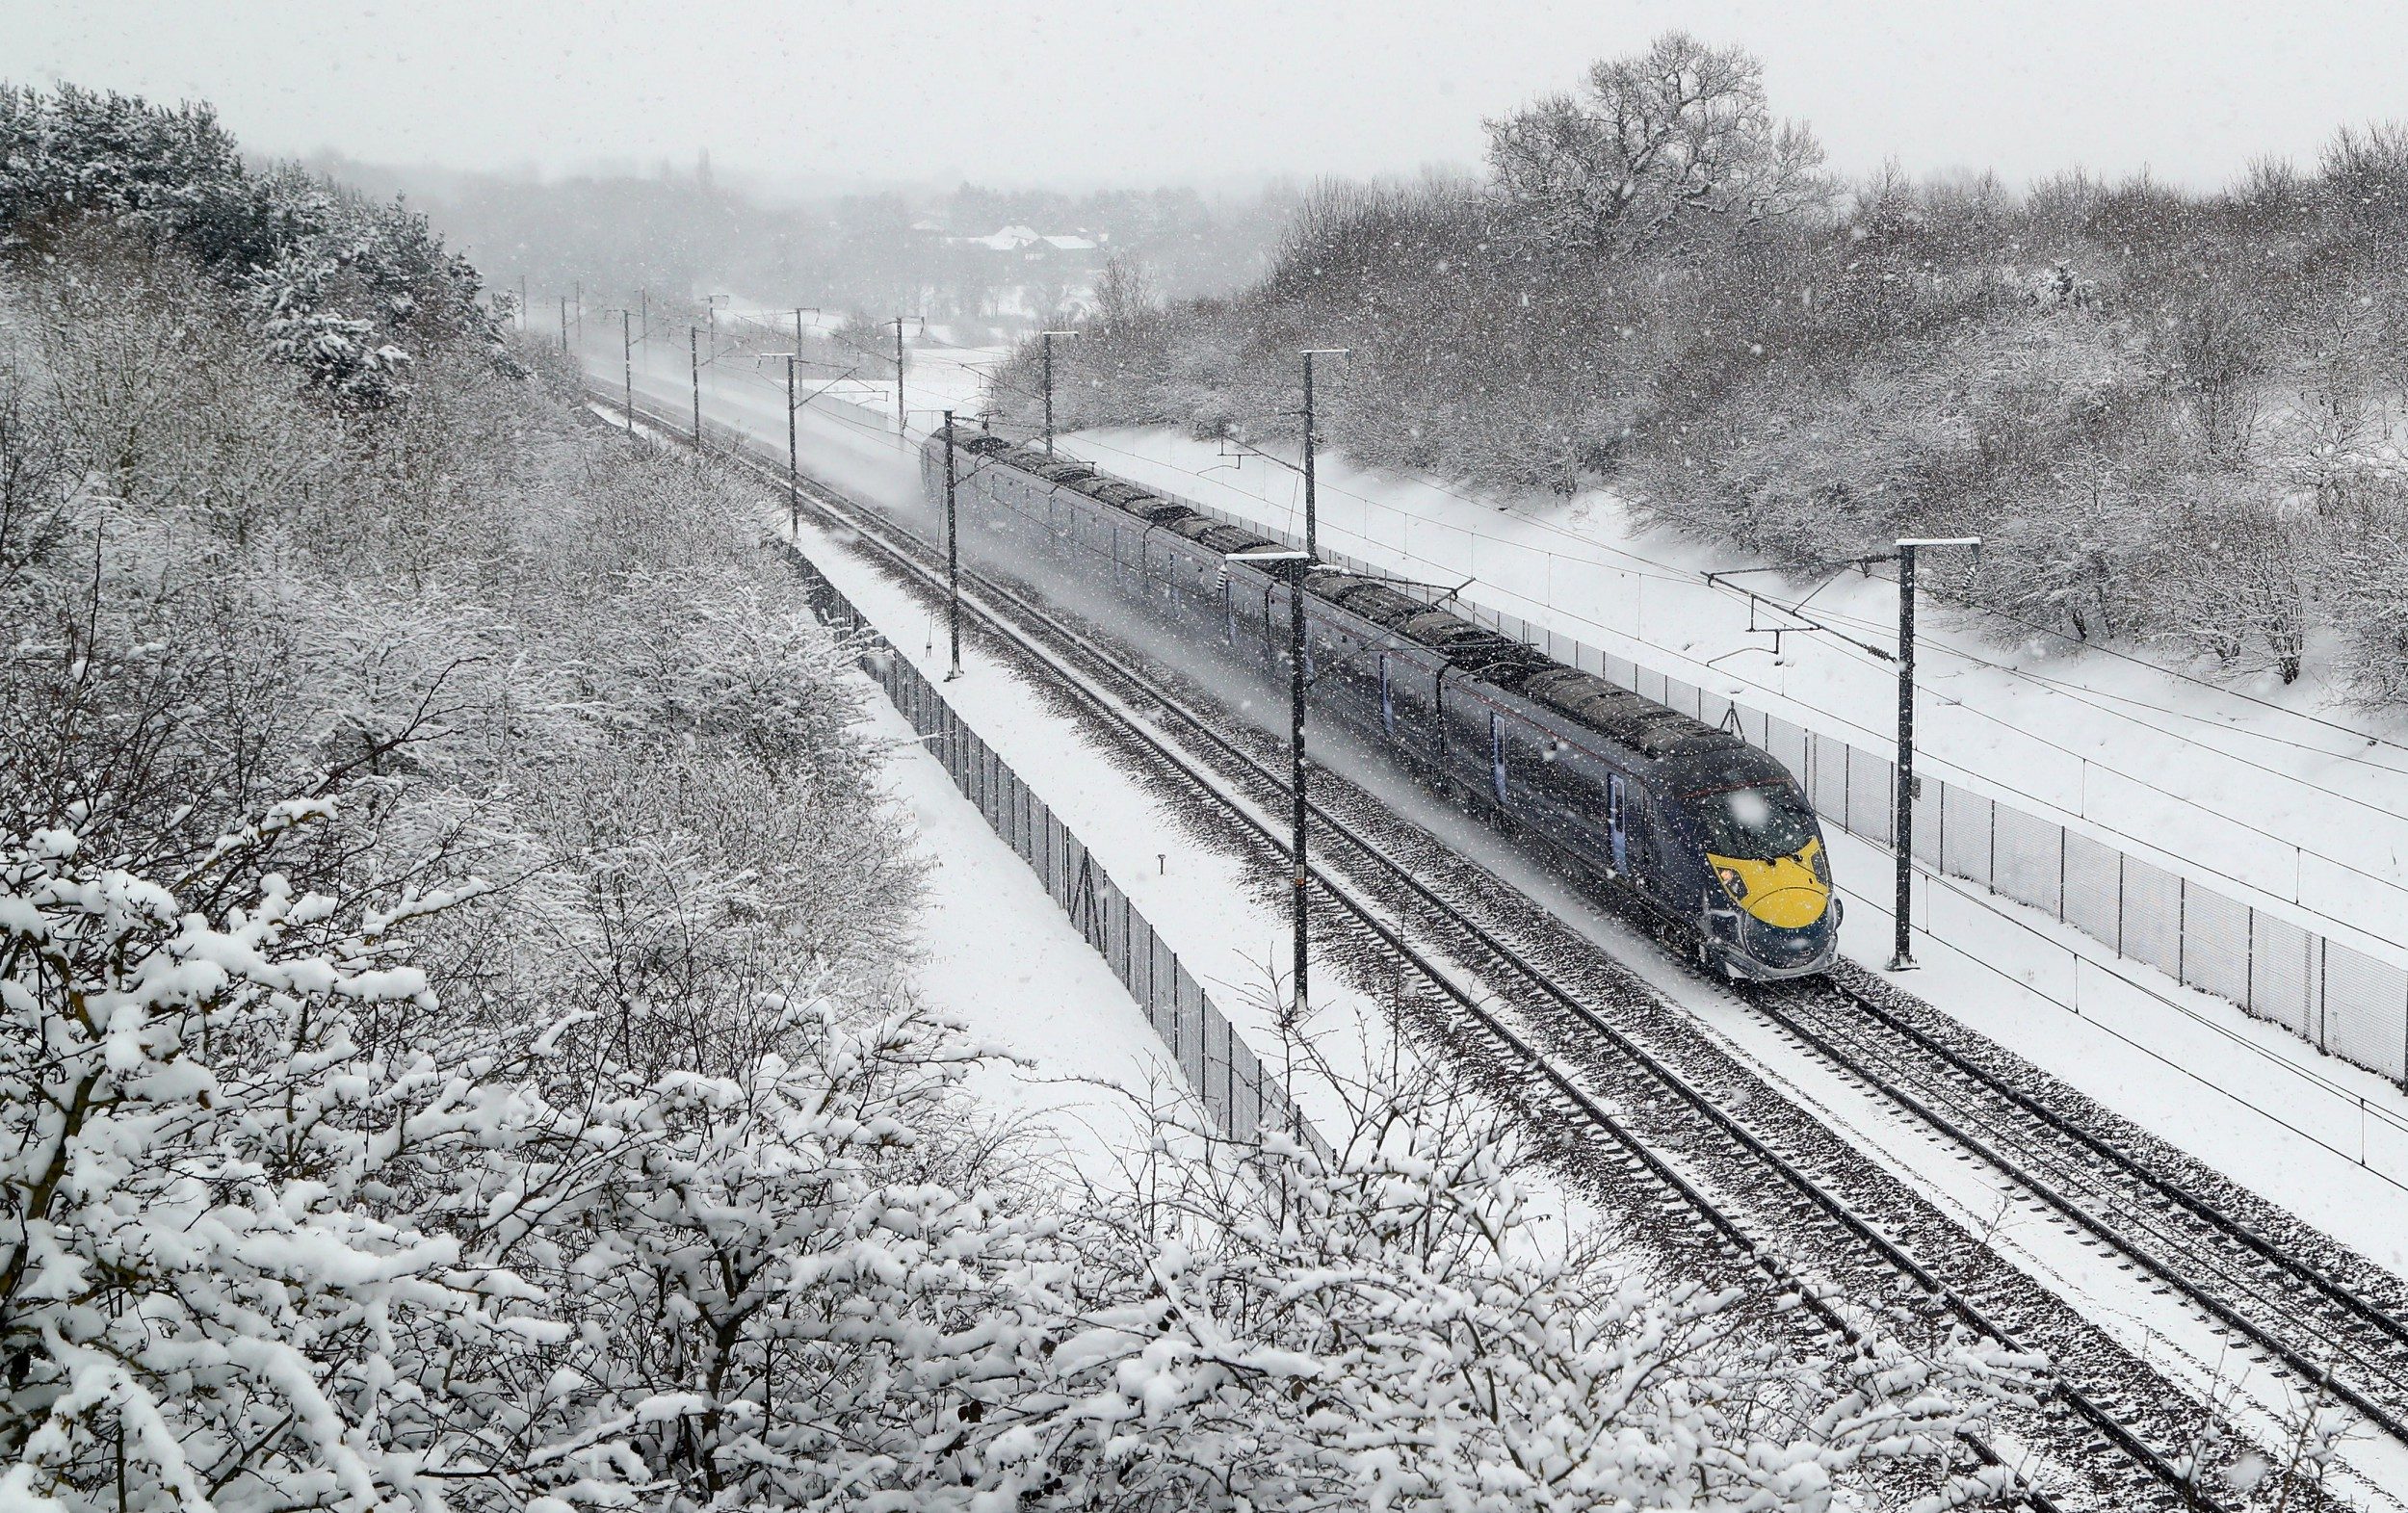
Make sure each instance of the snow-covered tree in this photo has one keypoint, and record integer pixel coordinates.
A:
(1679, 133)
(335, 286)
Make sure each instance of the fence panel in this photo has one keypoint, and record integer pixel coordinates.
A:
(1141, 948)
(1186, 1006)
(2151, 923)
(1871, 798)
(1969, 826)
(1930, 811)
(1788, 743)
(2365, 1010)
(2281, 974)
(1190, 1046)
(1245, 1089)
(1216, 1084)
(1680, 695)
(1827, 770)
(2215, 943)
(2094, 888)
(2028, 859)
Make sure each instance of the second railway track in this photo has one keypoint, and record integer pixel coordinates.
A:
(2338, 1326)
(1540, 997)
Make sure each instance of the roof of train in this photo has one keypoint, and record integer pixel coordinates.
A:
(1706, 755)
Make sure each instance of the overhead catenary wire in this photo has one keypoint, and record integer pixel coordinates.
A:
(2012, 918)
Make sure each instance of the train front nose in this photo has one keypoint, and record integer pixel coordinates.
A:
(1789, 893)
(1788, 917)
(1792, 907)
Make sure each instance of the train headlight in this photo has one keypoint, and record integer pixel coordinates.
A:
(1732, 882)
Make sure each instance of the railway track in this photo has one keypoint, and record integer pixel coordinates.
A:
(2345, 1336)
(1608, 1053)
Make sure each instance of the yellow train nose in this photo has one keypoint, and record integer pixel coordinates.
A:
(1790, 908)
(1785, 892)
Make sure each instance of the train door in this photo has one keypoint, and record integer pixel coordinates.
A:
(1496, 755)
(1228, 610)
(1387, 700)
(1615, 830)
(1644, 822)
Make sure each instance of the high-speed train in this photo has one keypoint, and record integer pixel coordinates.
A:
(1708, 836)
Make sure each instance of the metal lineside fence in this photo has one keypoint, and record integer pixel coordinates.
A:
(1240, 1091)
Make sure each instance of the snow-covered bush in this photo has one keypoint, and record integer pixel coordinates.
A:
(197, 1306)
(1397, 1323)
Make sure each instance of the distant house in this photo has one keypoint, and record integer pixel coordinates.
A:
(1029, 242)
(1035, 276)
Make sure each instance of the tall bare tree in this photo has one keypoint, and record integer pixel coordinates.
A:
(1678, 133)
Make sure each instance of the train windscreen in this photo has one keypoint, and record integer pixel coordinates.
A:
(1755, 825)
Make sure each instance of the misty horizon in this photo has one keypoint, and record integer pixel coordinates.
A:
(851, 102)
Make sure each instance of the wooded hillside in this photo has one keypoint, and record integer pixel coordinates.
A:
(2173, 415)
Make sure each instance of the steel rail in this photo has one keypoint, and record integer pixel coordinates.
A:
(2387, 1417)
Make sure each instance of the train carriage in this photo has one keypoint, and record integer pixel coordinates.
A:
(1703, 832)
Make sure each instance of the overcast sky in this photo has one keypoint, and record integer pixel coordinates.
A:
(1144, 91)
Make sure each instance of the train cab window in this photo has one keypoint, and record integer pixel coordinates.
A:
(1754, 824)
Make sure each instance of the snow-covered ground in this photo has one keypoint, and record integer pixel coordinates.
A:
(1001, 957)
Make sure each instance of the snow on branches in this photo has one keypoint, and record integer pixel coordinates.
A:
(197, 1309)
(333, 284)
(259, 1264)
